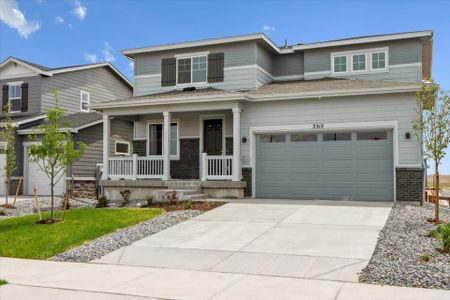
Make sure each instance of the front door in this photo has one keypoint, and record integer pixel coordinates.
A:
(212, 137)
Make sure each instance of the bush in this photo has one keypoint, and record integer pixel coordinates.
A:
(102, 201)
(125, 197)
(442, 234)
(188, 204)
(2, 212)
(425, 257)
(149, 200)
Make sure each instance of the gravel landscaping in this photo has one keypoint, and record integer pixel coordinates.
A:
(121, 238)
(403, 248)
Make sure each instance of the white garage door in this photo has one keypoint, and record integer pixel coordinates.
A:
(331, 165)
(2, 173)
(35, 177)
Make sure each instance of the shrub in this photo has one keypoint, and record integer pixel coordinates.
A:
(188, 204)
(149, 200)
(102, 201)
(3, 281)
(442, 234)
(425, 257)
(125, 197)
(2, 212)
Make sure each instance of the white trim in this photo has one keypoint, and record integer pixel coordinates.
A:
(192, 83)
(274, 78)
(81, 100)
(208, 42)
(318, 73)
(333, 56)
(353, 126)
(161, 122)
(368, 54)
(417, 64)
(362, 40)
(15, 83)
(72, 130)
(28, 66)
(81, 178)
(204, 117)
(365, 63)
(76, 129)
(147, 76)
(289, 77)
(122, 142)
(192, 54)
(386, 60)
(189, 137)
(24, 121)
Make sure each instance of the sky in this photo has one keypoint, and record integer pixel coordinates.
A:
(58, 33)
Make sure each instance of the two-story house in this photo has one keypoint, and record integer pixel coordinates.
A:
(241, 115)
(29, 87)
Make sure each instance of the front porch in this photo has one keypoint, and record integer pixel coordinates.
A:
(173, 149)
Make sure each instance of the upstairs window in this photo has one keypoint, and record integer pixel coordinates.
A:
(378, 60)
(358, 62)
(192, 70)
(340, 64)
(84, 101)
(15, 97)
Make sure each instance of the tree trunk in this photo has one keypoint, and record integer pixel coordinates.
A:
(52, 198)
(436, 198)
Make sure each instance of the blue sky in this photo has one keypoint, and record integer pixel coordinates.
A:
(69, 32)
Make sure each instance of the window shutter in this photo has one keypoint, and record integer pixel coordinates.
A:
(24, 101)
(215, 67)
(5, 96)
(168, 71)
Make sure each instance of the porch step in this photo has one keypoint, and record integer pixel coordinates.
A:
(194, 197)
(182, 194)
(183, 184)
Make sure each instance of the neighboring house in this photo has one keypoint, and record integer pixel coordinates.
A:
(240, 115)
(29, 88)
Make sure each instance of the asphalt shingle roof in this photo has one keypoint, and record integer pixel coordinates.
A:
(81, 118)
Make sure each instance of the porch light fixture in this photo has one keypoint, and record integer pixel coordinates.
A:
(244, 139)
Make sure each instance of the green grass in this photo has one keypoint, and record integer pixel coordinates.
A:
(21, 237)
(3, 281)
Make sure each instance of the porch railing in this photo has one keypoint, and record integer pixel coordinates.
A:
(216, 167)
(134, 167)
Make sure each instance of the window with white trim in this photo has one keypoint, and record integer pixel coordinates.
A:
(359, 62)
(15, 97)
(122, 148)
(155, 139)
(379, 60)
(84, 101)
(340, 64)
(192, 69)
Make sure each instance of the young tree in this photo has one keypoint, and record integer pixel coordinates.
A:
(432, 128)
(8, 136)
(57, 151)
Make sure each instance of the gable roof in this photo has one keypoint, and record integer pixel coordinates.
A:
(46, 71)
(275, 91)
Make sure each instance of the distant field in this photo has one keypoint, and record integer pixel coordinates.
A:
(444, 181)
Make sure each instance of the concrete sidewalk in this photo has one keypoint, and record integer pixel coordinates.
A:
(31, 279)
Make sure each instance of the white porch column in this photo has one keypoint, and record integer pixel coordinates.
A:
(166, 145)
(236, 144)
(106, 134)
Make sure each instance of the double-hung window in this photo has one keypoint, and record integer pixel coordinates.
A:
(155, 139)
(359, 62)
(84, 101)
(340, 64)
(378, 60)
(192, 69)
(15, 97)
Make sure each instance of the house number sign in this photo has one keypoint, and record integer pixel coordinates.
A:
(317, 126)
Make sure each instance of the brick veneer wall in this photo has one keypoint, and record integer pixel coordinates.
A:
(247, 177)
(229, 146)
(409, 183)
(139, 147)
(188, 166)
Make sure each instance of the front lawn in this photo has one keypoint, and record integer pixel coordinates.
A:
(23, 238)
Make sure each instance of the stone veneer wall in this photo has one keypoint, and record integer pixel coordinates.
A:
(247, 177)
(83, 189)
(409, 182)
(188, 166)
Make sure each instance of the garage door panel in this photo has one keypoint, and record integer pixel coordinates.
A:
(356, 169)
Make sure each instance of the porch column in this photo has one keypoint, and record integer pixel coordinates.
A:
(236, 144)
(166, 145)
(106, 134)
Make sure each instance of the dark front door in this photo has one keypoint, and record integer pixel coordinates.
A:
(212, 135)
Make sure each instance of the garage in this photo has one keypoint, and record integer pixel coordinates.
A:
(346, 165)
(35, 177)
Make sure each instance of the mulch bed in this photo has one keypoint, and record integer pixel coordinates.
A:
(184, 205)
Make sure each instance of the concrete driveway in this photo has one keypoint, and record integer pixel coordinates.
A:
(308, 239)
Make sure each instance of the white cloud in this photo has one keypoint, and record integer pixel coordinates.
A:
(91, 57)
(131, 67)
(107, 52)
(11, 15)
(269, 28)
(59, 20)
(79, 10)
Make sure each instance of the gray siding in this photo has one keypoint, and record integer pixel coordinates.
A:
(264, 59)
(288, 64)
(400, 52)
(34, 93)
(93, 138)
(101, 83)
(399, 108)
